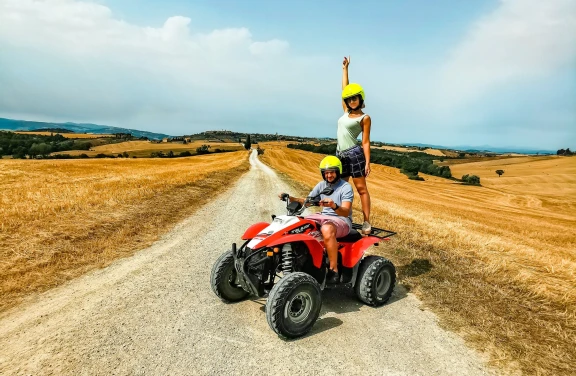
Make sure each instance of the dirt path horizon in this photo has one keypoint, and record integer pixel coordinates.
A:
(154, 313)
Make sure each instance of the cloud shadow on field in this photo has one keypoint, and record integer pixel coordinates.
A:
(415, 268)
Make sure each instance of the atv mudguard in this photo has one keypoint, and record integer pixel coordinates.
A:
(316, 249)
(254, 230)
(351, 256)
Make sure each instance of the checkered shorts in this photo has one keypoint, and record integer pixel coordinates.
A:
(353, 162)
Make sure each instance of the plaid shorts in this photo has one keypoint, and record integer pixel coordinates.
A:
(353, 162)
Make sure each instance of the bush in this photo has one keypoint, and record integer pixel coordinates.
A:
(471, 179)
(416, 177)
(203, 149)
(185, 154)
(62, 156)
(83, 155)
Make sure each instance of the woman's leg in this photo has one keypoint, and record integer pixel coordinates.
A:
(360, 184)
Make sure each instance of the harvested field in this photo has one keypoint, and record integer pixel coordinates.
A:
(430, 151)
(496, 263)
(69, 135)
(61, 218)
(145, 148)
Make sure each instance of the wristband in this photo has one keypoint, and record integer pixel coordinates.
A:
(337, 206)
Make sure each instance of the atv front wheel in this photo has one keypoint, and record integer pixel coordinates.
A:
(293, 305)
(223, 279)
(376, 279)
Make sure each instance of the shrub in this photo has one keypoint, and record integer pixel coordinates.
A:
(83, 155)
(185, 154)
(471, 179)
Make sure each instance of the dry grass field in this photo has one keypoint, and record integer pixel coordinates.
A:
(61, 218)
(497, 263)
(430, 151)
(69, 135)
(145, 148)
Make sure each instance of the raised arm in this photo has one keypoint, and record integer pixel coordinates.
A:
(345, 82)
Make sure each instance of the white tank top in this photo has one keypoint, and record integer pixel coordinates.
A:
(348, 130)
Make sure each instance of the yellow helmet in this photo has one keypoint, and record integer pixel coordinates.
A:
(331, 163)
(352, 90)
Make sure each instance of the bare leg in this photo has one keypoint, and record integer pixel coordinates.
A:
(329, 234)
(362, 189)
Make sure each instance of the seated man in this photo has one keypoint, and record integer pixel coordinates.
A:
(336, 215)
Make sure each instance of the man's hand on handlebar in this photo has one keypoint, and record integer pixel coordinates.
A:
(327, 202)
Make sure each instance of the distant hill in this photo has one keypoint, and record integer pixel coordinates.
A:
(486, 148)
(24, 125)
(53, 130)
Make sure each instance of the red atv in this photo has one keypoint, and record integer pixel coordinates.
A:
(286, 259)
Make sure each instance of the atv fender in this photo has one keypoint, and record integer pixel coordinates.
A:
(254, 230)
(316, 249)
(350, 259)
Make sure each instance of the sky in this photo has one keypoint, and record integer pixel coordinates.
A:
(477, 72)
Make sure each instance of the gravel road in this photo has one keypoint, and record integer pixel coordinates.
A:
(155, 314)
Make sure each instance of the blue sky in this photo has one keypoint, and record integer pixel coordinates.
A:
(500, 73)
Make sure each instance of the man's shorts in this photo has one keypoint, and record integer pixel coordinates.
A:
(353, 162)
(342, 228)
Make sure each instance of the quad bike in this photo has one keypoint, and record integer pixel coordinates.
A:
(286, 260)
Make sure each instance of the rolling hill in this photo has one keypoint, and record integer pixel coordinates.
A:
(24, 125)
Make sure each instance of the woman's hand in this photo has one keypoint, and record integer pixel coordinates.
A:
(346, 62)
(367, 169)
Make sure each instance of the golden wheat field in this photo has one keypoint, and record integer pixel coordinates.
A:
(145, 148)
(61, 218)
(497, 263)
(69, 135)
(430, 151)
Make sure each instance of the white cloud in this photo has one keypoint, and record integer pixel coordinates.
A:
(521, 40)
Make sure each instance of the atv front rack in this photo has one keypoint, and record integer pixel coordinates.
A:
(377, 232)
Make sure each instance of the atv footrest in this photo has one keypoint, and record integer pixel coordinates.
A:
(377, 232)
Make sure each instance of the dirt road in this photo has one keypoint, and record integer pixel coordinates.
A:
(155, 314)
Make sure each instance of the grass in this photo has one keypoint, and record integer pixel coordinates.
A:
(501, 268)
(145, 148)
(61, 218)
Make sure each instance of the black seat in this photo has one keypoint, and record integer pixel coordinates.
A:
(353, 236)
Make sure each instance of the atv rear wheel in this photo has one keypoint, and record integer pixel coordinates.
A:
(376, 279)
(223, 277)
(293, 305)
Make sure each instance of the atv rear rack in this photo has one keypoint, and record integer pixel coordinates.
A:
(377, 232)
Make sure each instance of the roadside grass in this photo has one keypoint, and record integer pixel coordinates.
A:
(496, 268)
(62, 218)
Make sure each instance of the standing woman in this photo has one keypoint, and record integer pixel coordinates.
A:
(355, 159)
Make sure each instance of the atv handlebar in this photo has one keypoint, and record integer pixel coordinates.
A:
(298, 208)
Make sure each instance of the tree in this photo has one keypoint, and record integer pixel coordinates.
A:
(125, 155)
(170, 154)
(248, 144)
(471, 179)
(499, 172)
(203, 149)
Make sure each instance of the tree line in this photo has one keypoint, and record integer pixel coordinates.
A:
(566, 152)
(22, 145)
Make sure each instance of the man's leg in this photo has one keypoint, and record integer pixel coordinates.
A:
(329, 234)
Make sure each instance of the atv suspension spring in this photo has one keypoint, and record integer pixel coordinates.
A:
(287, 258)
